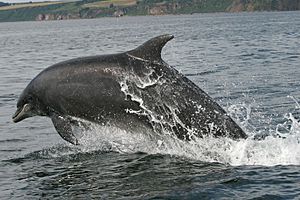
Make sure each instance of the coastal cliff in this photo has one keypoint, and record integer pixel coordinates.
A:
(264, 5)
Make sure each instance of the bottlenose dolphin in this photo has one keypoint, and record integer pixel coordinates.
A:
(134, 90)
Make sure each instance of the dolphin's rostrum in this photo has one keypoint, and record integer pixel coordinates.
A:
(134, 90)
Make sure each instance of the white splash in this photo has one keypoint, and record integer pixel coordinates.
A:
(108, 138)
(272, 150)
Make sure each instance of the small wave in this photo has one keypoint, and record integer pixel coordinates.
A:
(53, 152)
(201, 73)
(14, 140)
(11, 150)
(8, 97)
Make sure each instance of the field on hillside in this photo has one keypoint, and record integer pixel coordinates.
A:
(105, 4)
(29, 5)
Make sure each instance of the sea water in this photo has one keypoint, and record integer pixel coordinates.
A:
(248, 62)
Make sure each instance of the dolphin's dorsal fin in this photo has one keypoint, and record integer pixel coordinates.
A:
(151, 50)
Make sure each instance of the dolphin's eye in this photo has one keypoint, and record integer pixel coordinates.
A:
(29, 99)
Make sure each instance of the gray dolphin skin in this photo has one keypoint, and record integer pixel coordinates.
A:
(135, 91)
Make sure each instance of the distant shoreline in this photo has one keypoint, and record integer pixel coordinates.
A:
(89, 9)
(166, 15)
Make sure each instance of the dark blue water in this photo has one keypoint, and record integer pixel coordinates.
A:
(248, 62)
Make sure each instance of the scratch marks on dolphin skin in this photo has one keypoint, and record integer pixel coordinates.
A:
(137, 58)
(147, 91)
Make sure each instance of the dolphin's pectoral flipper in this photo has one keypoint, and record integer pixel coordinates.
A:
(64, 128)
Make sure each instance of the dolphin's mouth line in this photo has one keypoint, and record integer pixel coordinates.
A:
(21, 113)
(15, 116)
